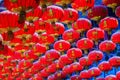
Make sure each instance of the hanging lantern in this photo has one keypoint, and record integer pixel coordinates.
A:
(95, 55)
(84, 74)
(52, 55)
(41, 26)
(51, 77)
(108, 23)
(66, 70)
(21, 7)
(70, 35)
(52, 14)
(118, 75)
(56, 29)
(34, 15)
(98, 12)
(62, 2)
(51, 68)
(115, 61)
(24, 64)
(105, 66)
(74, 53)
(46, 39)
(94, 72)
(111, 77)
(100, 78)
(58, 64)
(44, 62)
(81, 25)
(7, 25)
(64, 59)
(75, 77)
(44, 73)
(59, 75)
(39, 49)
(107, 46)
(82, 5)
(61, 45)
(70, 16)
(115, 37)
(117, 12)
(85, 62)
(95, 34)
(111, 3)
(75, 67)
(85, 44)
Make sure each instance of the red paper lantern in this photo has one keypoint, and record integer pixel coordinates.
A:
(41, 26)
(59, 75)
(105, 66)
(107, 46)
(100, 78)
(34, 15)
(94, 71)
(44, 73)
(21, 7)
(61, 45)
(7, 25)
(52, 13)
(85, 44)
(74, 53)
(95, 55)
(56, 29)
(85, 61)
(52, 55)
(66, 70)
(71, 35)
(97, 12)
(62, 2)
(117, 11)
(75, 77)
(51, 77)
(75, 67)
(46, 39)
(116, 37)
(118, 75)
(70, 16)
(111, 77)
(64, 59)
(111, 3)
(85, 75)
(95, 34)
(108, 23)
(82, 24)
(82, 5)
(115, 61)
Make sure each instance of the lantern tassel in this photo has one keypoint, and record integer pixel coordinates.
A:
(22, 16)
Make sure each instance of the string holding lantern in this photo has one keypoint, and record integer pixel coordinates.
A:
(85, 44)
(82, 5)
(81, 25)
(98, 12)
(21, 7)
(111, 3)
(95, 34)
